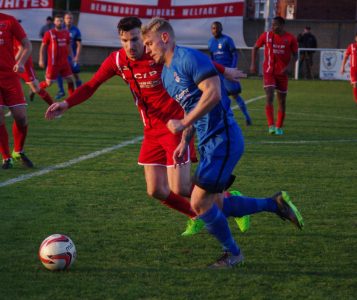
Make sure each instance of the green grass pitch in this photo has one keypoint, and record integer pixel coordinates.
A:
(129, 246)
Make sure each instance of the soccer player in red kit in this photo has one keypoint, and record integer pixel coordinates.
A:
(29, 76)
(11, 94)
(57, 43)
(279, 47)
(352, 53)
(164, 181)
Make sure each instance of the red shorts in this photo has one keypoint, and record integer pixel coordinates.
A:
(64, 70)
(29, 75)
(353, 73)
(279, 82)
(11, 93)
(158, 149)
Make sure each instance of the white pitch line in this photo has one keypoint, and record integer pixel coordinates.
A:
(301, 142)
(70, 162)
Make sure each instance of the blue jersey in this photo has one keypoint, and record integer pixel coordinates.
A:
(75, 35)
(188, 68)
(223, 51)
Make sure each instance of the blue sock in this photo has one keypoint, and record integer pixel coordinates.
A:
(78, 83)
(217, 225)
(242, 106)
(239, 206)
(60, 84)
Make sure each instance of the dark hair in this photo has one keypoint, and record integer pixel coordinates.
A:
(218, 24)
(58, 16)
(49, 19)
(280, 20)
(307, 27)
(129, 23)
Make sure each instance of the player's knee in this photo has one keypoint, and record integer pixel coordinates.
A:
(157, 192)
(21, 121)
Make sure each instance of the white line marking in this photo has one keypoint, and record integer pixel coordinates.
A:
(70, 162)
(301, 142)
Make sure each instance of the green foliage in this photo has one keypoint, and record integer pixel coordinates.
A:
(129, 246)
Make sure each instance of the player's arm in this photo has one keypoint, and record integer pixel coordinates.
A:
(231, 74)
(84, 92)
(79, 51)
(253, 67)
(23, 56)
(43, 49)
(181, 149)
(211, 95)
(344, 60)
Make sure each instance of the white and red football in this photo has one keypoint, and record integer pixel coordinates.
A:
(57, 252)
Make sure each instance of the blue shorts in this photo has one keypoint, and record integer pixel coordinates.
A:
(218, 158)
(232, 88)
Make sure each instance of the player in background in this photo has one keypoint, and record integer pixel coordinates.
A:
(76, 44)
(223, 51)
(57, 43)
(165, 182)
(29, 76)
(190, 77)
(352, 53)
(279, 47)
(11, 94)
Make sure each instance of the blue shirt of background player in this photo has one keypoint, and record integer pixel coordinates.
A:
(223, 51)
(187, 69)
(75, 35)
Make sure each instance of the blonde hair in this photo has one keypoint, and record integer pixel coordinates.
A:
(158, 25)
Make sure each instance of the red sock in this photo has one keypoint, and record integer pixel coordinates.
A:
(281, 117)
(70, 88)
(4, 142)
(269, 112)
(43, 85)
(19, 133)
(355, 93)
(179, 203)
(45, 96)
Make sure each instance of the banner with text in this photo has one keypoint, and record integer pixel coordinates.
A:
(330, 65)
(32, 13)
(191, 19)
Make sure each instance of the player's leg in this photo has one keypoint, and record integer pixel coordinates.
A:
(282, 89)
(60, 94)
(7, 162)
(19, 131)
(76, 70)
(157, 187)
(35, 89)
(234, 89)
(354, 88)
(51, 76)
(269, 88)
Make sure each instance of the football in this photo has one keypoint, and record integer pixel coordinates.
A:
(57, 252)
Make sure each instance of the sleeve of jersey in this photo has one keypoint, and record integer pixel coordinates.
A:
(46, 38)
(200, 67)
(18, 31)
(261, 40)
(348, 51)
(294, 45)
(232, 48)
(85, 91)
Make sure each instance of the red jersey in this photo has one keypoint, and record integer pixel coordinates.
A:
(10, 29)
(352, 52)
(57, 43)
(143, 76)
(277, 52)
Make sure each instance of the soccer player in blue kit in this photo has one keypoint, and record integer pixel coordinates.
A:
(223, 51)
(191, 79)
(76, 44)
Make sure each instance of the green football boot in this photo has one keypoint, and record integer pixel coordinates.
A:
(271, 129)
(279, 131)
(20, 156)
(287, 210)
(193, 227)
(242, 222)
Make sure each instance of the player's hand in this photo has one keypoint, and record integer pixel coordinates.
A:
(342, 71)
(56, 109)
(175, 126)
(233, 74)
(41, 64)
(179, 154)
(19, 68)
